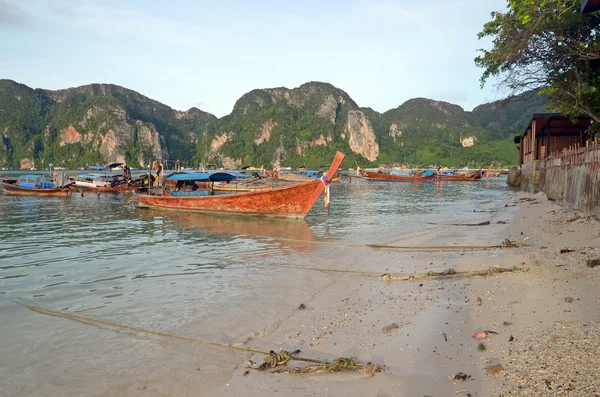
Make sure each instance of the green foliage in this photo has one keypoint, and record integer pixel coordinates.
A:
(299, 127)
(547, 46)
(33, 120)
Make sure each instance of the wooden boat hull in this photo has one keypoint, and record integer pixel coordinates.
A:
(290, 177)
(253, 185)
(11, 187)
(242, 188)
(293, 201)
(459, 178)
(380, 177)
(116, 189)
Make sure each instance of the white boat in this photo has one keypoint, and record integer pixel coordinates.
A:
(92, 181)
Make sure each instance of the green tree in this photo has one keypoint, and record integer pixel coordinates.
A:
(546, 45)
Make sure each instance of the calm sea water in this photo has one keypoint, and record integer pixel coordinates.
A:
(211, 277)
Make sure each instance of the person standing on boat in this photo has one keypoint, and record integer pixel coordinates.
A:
(158, 168)
(177, 166)
(126, 174)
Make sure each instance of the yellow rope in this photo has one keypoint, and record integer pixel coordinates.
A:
(317, 269)
(394, 276)
(87, 320)
(436, 247)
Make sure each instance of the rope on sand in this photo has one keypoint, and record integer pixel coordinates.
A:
(453, 273)
(338, 365)
(407, 247)
(91, 321)
(272, 359)
(437, 247)
(386, 276)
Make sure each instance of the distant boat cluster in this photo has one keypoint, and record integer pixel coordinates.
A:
(283, 193)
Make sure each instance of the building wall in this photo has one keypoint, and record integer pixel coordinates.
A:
(573, 182)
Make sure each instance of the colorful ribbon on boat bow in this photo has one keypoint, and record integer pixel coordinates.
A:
(327, 185)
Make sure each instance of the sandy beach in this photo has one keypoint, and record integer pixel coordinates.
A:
(543, 321)
(545, 318)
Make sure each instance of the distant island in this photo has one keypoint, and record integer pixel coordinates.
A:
(304, 126)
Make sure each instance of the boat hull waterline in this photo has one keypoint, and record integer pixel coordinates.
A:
(12, 188)
(293, 201)
(459, 178)
(379, 177)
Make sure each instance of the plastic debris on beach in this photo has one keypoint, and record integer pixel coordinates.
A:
(460, 376)
(483, 334)
(494, 370)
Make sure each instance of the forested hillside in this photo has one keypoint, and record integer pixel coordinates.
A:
(103, 123)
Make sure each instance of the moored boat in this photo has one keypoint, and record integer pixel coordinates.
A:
(381, 177)
(34, 185)
(293, 201)
(303, 176)
(97, 183)
(459, 177)
(270, 174)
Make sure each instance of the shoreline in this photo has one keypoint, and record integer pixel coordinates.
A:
(546, 343)
(527, 308)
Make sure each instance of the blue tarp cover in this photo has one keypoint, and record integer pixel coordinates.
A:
(201, 176)
(96, 176)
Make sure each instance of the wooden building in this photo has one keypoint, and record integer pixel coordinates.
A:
(549, 133)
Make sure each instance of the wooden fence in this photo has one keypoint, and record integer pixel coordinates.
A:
(574, 156)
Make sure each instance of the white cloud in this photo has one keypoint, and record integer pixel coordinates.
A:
(11, 14)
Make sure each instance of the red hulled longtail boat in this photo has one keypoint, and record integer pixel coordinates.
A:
(380, 177)
(293, 201)
(459, 177)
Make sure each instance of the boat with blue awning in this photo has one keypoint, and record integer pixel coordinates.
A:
(181, 191)
(303, 175)
(37, 185)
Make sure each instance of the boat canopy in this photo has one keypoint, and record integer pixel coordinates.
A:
(97, 167)
(201, 177)
(304, 172)
(96, 176)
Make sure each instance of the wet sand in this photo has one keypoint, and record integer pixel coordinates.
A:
(554, 351)
(546, 345)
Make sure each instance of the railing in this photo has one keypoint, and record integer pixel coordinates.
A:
(574, 156)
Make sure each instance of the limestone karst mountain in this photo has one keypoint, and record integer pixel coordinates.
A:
(103, 123)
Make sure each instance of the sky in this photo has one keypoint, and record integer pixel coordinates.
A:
(207, 54)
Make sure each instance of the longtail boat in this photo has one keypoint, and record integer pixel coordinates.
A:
(97, 183)
(294, 201)
(459, 177)
(303, 176)
(33, 185)
(381, 177)
(271, 174)
(234, 187)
